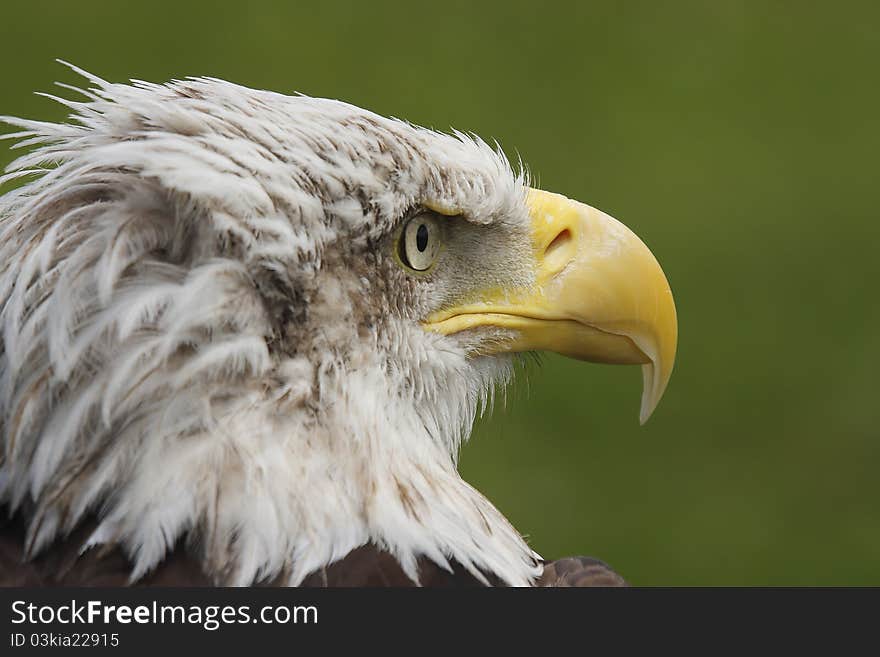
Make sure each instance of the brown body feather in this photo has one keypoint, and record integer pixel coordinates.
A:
(63, 564)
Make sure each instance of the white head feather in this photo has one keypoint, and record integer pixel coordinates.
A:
(190, 350)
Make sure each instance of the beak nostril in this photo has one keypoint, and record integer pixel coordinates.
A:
(561, 240)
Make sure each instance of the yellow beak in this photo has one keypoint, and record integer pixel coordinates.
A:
(598, 295)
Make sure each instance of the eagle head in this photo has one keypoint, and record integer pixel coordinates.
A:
(263, 325)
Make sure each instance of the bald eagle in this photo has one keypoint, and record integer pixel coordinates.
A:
(244, 336)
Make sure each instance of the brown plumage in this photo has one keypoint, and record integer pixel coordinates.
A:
(367, 566)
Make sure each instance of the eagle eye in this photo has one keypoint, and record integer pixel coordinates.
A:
(419, 243)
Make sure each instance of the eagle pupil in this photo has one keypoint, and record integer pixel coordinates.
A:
(422, 238)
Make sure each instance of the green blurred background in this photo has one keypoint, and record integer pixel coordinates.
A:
(738, 139)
